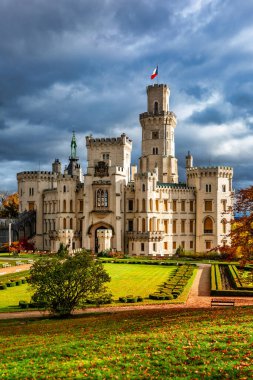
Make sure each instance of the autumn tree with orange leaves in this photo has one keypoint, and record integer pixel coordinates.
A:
(242, 227)
(9, 205)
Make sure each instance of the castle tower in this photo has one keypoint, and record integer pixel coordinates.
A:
(158, 144)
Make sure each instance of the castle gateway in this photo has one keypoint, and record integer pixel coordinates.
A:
(116, 206)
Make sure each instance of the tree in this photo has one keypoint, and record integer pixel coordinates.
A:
(63, 282)
(242, 227)
(9, 204)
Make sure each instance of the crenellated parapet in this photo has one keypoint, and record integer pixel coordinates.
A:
(108, 141)
(212, 171)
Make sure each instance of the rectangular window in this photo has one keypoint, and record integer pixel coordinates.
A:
(154, 247)
(157, 204)
(191, 226)
(130, 205)
(142, 247)
(191, 244)
(191, 206)
(132, 246)
(182, 226)
(165, 245)
(208, 206)
(165, 205)
(155, 135)
(130, 225)
(208, 188)
(174, 205)
(183, 244)
(174, 227)
(208, 244)
(223, 188)
(174, 245)
(80, 206)
(166, 226)
(182, 206)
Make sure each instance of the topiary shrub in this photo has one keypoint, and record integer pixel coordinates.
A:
(23, 304)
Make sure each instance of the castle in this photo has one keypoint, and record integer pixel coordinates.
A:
(116, 206)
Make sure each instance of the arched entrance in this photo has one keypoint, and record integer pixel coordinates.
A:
(101, 237)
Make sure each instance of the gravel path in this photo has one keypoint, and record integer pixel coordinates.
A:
(199, 297)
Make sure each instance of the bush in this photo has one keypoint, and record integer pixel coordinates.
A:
(23, 304)
(3, 286)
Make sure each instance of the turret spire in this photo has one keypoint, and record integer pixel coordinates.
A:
(73, 146)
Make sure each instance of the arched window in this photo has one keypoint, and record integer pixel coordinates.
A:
(64, 189)
(102, 198)
(64, 223)
(143, 187)
(224, 226)
(71, 223)
(64, 205)
(143, 205)
(156, 108)
(208, 226)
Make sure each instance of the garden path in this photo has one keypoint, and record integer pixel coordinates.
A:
(199, 297)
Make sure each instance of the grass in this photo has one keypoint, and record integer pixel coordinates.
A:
(135, 279)
(147, 344)
(126, 279)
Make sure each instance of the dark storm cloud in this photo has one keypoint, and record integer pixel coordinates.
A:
(84, 65)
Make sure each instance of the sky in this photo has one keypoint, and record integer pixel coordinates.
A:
(84, 66)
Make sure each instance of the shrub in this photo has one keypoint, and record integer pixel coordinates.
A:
(3, 286)
(23, 304)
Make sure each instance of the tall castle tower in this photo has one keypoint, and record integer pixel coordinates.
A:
(158, 144)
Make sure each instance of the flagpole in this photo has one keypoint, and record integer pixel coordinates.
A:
(157, 74)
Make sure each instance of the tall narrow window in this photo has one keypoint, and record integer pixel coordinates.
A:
(143, 225)
(156, 108)
(208, 226)
(71, 205)
(174, 205)
(130, 205)
(174, 227)
(71, 223)
(208, 188)
(143, 187)
(182, 226)
(150, 205)
(64, 205)
(143, 205)
(182, 206)
(191, 206)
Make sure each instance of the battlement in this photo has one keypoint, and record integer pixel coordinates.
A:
(108, 141)
(156, 85)
(42, 175)
(218, 171)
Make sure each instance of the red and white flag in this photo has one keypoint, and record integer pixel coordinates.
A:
(155, 73)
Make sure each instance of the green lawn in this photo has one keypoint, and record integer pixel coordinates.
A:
(146, 344)
(125, 279)
(136, 279)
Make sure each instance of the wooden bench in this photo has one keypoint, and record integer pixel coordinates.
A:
(217, 302)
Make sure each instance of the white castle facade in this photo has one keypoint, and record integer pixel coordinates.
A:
(116, 206)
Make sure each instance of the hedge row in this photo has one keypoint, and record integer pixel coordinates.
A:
(216, 283)
(175, 285)
(144, 262)
(12, 282)
(237, 280)
(130, 299)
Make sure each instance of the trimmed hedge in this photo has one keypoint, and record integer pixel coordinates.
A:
(175, 285)
(235, 279)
